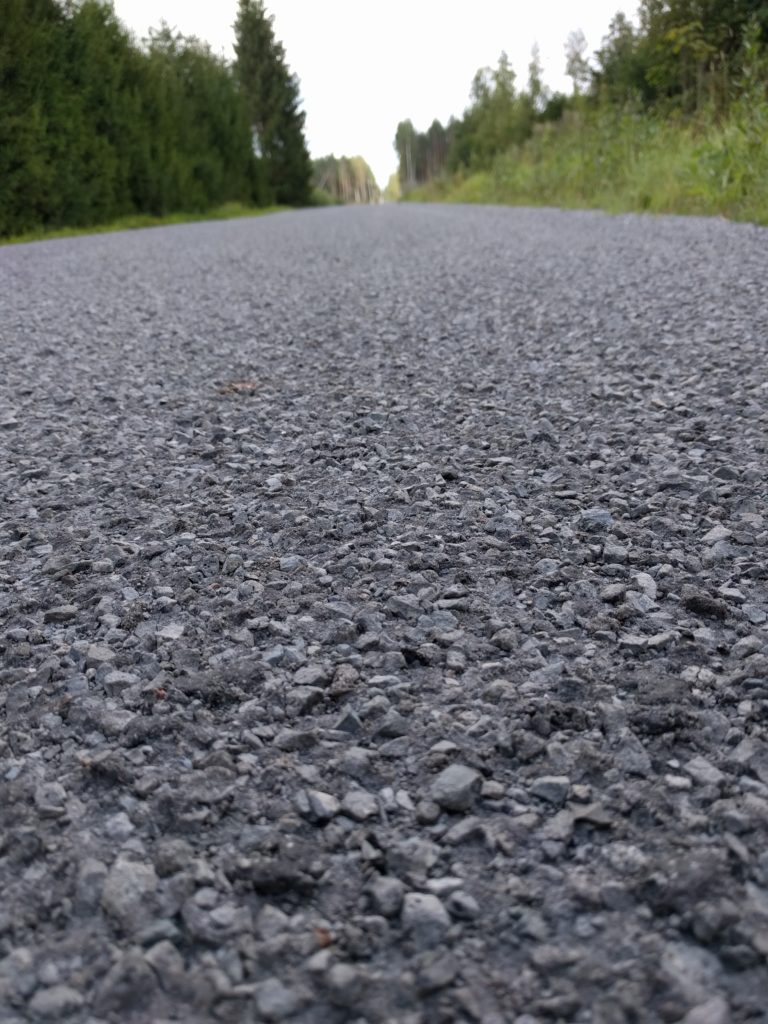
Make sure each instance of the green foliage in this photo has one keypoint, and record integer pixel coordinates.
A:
(498, 116)
(623, 73)
(672, 116)
(621, 160)
(271, 93)
(28, 103)
(685, 55)
(195, 148)
(94, 127)
(422, 155)
(345, 180)
(322, 198)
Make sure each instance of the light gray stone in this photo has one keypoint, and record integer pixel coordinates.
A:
(456, 788)
(425, 918)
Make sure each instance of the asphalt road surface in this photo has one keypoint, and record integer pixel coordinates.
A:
(383, 621)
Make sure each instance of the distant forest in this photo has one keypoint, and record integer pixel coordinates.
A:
(344, 180)
(682, 58)
(96, 126)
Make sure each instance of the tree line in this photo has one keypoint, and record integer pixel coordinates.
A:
(682, 56)
(344, 180)
(95, 126)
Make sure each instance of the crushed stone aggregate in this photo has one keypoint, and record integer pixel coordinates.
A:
(384, 621)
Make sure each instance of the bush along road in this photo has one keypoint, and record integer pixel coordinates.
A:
(383, 625)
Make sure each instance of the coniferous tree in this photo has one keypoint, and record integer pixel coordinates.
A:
(94, 126)
(30, 79)
(272, 96)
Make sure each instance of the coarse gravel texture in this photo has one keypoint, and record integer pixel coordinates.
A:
(383, 629)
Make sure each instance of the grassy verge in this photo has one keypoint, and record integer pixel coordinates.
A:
(228, 211)
(622, 162)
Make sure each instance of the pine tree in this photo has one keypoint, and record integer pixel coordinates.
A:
(273, 101)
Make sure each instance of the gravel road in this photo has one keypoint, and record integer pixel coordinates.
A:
(383, 621)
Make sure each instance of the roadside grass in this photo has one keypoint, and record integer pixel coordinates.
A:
(622, 161)
(228, 211)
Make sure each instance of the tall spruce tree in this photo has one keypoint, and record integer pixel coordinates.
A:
(272, 96)
(31, 77)
(93, 127)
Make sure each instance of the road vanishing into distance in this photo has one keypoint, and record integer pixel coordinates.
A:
(384, 621)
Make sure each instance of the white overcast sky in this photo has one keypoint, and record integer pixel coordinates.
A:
(365, 66)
